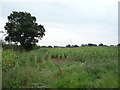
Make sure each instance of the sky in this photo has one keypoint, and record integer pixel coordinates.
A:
(69, 21)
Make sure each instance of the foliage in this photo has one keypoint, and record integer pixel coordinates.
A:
(118, 44)
(90, 44)
(22, 28)
(68, 45)
(100, 44)
(86, 67)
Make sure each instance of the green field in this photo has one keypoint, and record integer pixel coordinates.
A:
(83, 67)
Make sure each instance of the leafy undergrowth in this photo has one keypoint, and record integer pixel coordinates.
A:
(88, 67)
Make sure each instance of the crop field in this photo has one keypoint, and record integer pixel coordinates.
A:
(82, 67)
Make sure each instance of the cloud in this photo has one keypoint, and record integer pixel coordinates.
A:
(38, 0)
(81, 21)
(108, 2)
(62, 34)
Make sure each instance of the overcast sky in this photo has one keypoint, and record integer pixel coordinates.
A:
(69, 21)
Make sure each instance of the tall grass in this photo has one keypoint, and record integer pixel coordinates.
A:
(85, 67)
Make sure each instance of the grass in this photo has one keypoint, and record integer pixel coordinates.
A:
(86, 67)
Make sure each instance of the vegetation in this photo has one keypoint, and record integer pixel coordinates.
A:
(80, 67)
(88, 66)
(22, 28)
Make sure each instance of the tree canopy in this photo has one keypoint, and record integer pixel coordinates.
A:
(22, 28)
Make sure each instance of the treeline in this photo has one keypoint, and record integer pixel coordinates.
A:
(16, 47)
(82, 45)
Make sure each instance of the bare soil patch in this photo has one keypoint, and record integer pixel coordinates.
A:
(59, 61)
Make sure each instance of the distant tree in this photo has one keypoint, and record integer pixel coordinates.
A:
(111, 45)
(75, 46)
(100, 44)
(68, 45)
(118, 44)
(55, 46)
(44, 46)
(105, 45)
(90, 44)
(83, 45)
(22, 28)
(49, 46)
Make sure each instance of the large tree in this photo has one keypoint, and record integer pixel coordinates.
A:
(22, 28)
